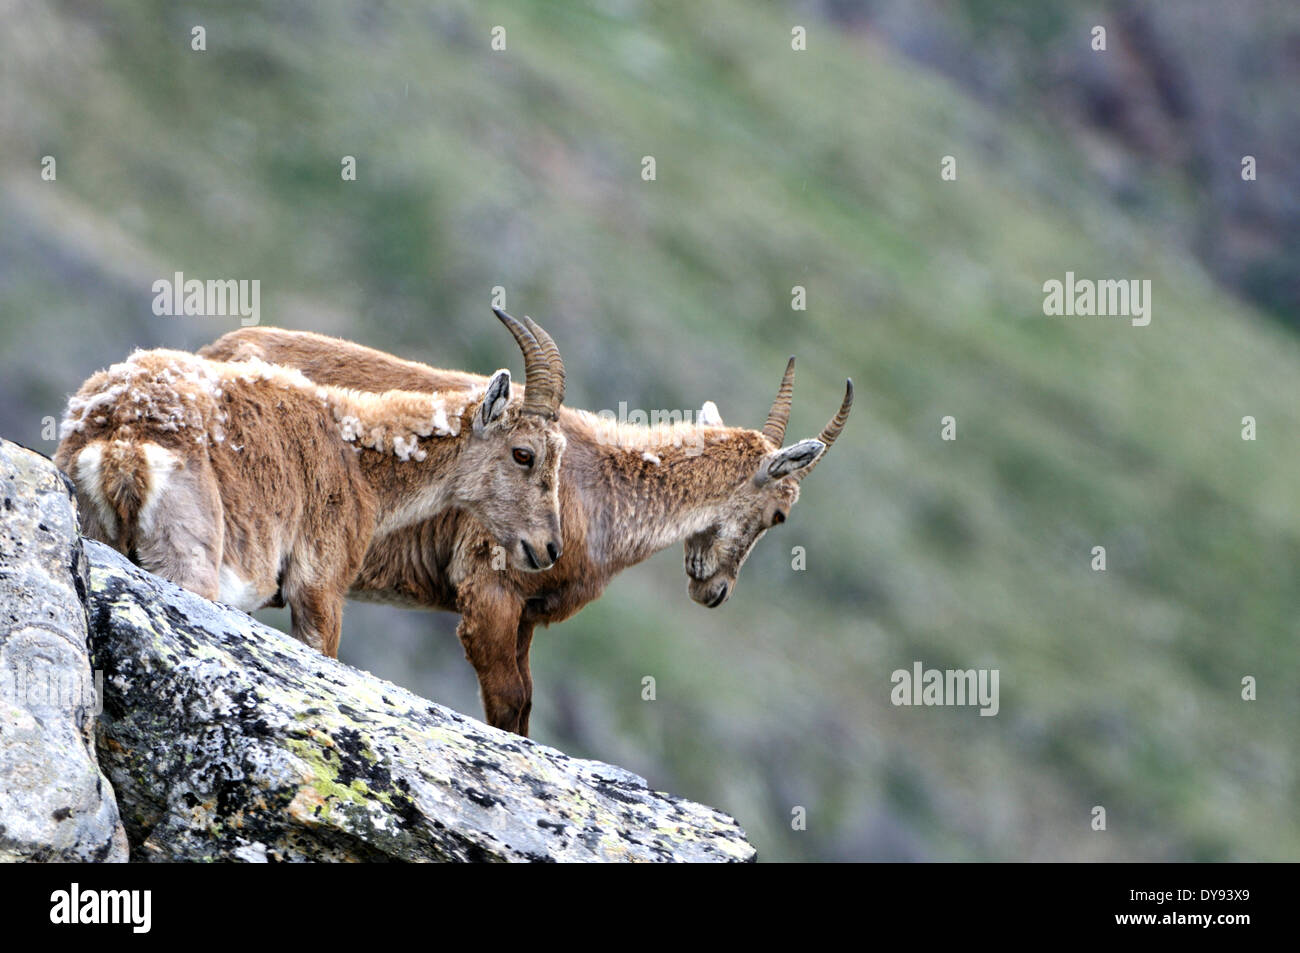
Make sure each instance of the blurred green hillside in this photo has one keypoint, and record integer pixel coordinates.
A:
(775, 168)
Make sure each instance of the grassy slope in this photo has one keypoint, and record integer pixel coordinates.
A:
(774, 168)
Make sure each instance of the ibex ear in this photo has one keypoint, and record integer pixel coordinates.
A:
(789, 459)
(709, 416)
(495, 400)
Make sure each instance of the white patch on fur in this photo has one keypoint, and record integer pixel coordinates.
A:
(408, 448)
(162, 463)
(79, 408)
(651, 458)
(709, 416)
(233, 590)
(349, 428)
(90, 481)
(441, 426)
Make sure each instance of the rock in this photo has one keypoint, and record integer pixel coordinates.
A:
(228, 740)
(55, 805)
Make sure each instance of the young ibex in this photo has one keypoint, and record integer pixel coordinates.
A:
(626, 492)
(251, 484)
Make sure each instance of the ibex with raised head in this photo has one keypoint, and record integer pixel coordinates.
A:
(248, 483)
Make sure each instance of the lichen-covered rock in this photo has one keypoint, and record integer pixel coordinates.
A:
(226, 740)
(55, 804)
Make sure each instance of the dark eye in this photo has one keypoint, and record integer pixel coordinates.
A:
(523, 457)
(778, 517)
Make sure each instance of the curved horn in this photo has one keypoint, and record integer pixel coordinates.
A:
(536, 373)
(553, 359)
(832, 430)
(779, 415)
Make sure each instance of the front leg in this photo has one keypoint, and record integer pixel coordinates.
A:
(523, 641)
(489, 620)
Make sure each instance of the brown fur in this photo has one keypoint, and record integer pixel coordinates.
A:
(249, 474)
(625, 493)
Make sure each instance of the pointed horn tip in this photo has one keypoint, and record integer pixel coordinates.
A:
(546, 340)
(779, 415)
(513, 325)
(832, 430)
(541, 334)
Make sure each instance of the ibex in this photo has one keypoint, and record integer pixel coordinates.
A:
(626, 492)
(251, 484)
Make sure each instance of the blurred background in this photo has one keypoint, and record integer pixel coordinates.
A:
(775, 168)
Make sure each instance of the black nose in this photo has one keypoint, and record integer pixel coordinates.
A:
(553, 550)
(722, 595)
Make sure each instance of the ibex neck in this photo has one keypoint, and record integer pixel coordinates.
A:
(645, 489)
(410, 492)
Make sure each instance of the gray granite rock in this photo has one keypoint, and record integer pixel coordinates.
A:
(55, 805)
(227, 740)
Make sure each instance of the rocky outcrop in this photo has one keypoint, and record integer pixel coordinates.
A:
(226, 740)
(54, 803)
